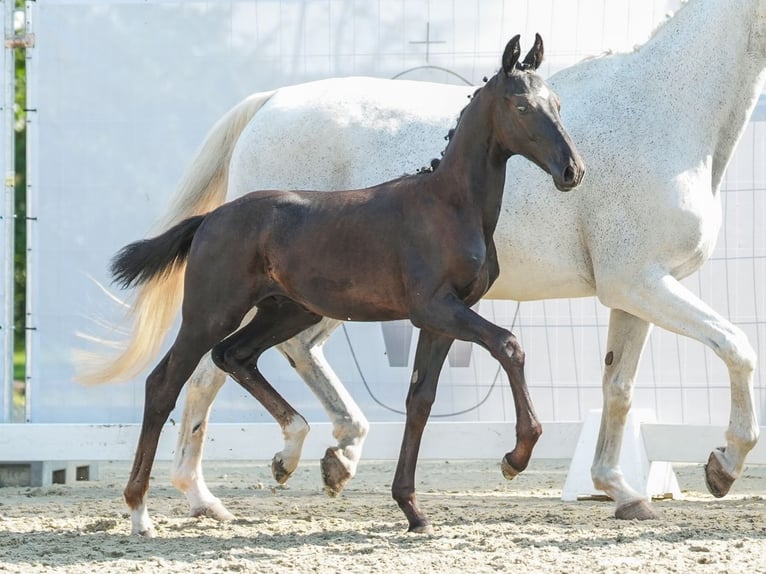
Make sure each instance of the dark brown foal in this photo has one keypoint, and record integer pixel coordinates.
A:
(418, 247)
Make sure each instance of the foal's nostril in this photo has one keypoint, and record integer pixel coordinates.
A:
(569, 174)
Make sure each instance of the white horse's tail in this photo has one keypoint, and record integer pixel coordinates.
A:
(202, 189)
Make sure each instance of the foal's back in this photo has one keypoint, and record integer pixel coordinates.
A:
(343, 254)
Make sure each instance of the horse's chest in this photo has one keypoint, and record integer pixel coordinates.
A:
(471, 271)
(689, 230)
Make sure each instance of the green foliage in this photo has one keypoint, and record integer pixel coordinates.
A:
(20, 186)
(20, 259)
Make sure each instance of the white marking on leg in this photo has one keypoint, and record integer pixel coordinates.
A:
(141, 524)
(350, 426)
(295, 435)
(186, 471)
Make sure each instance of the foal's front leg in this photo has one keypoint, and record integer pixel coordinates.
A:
(445, 319)
(431, 351)
(451, 316)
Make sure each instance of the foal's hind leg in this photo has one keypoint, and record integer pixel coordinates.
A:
(276, 321)
(162, 389)
(304, 351)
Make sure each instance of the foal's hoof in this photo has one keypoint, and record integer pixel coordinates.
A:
(279, 471)
(636, 510)
(421, 529)
(509, 472)
(335, 471)
(216, 511)
(717, 478)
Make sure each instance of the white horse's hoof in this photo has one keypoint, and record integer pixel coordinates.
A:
(636, 510)
(336, 471)
(216, 511)
(717, 478)
(146, 532)
(278, 470)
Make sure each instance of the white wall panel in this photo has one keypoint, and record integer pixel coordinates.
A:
(125, 91)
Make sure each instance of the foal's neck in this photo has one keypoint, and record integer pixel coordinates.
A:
(474, 162)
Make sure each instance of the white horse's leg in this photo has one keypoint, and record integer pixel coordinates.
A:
(186, 472)
(625, 343)
(350, 426)
(669, 305)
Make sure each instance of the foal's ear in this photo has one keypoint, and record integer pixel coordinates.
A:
(535, 56)
(511, 55)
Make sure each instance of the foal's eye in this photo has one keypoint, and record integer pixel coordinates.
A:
(522, 109)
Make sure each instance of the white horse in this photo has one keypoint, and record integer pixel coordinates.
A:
(656, 127)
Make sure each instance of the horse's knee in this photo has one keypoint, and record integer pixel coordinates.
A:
(737, 352)
(517, 354)
(420, 400)
(618, 388)
(419, 406)
(507, 347)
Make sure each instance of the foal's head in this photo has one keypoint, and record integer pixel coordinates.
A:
(526, 116)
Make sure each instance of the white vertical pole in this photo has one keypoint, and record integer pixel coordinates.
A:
(32, 170)
(8, 214)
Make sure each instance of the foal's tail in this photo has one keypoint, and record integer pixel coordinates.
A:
(157, 266)
(156, 258)
(202, 189)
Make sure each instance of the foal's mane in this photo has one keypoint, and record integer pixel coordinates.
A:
(436, 161)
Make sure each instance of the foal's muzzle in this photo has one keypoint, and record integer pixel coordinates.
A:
(571, 176)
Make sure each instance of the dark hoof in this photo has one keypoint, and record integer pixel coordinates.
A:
(636, 510)
(717, 478)
(278, 471)
(335, 472)
(509, 472)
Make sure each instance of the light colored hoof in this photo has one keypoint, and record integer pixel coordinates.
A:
(147, 533)
(423, 529)
(636, 510)
(278, 470)
(216, 511)
(717, 478)
(336, 471)
(508, 471)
